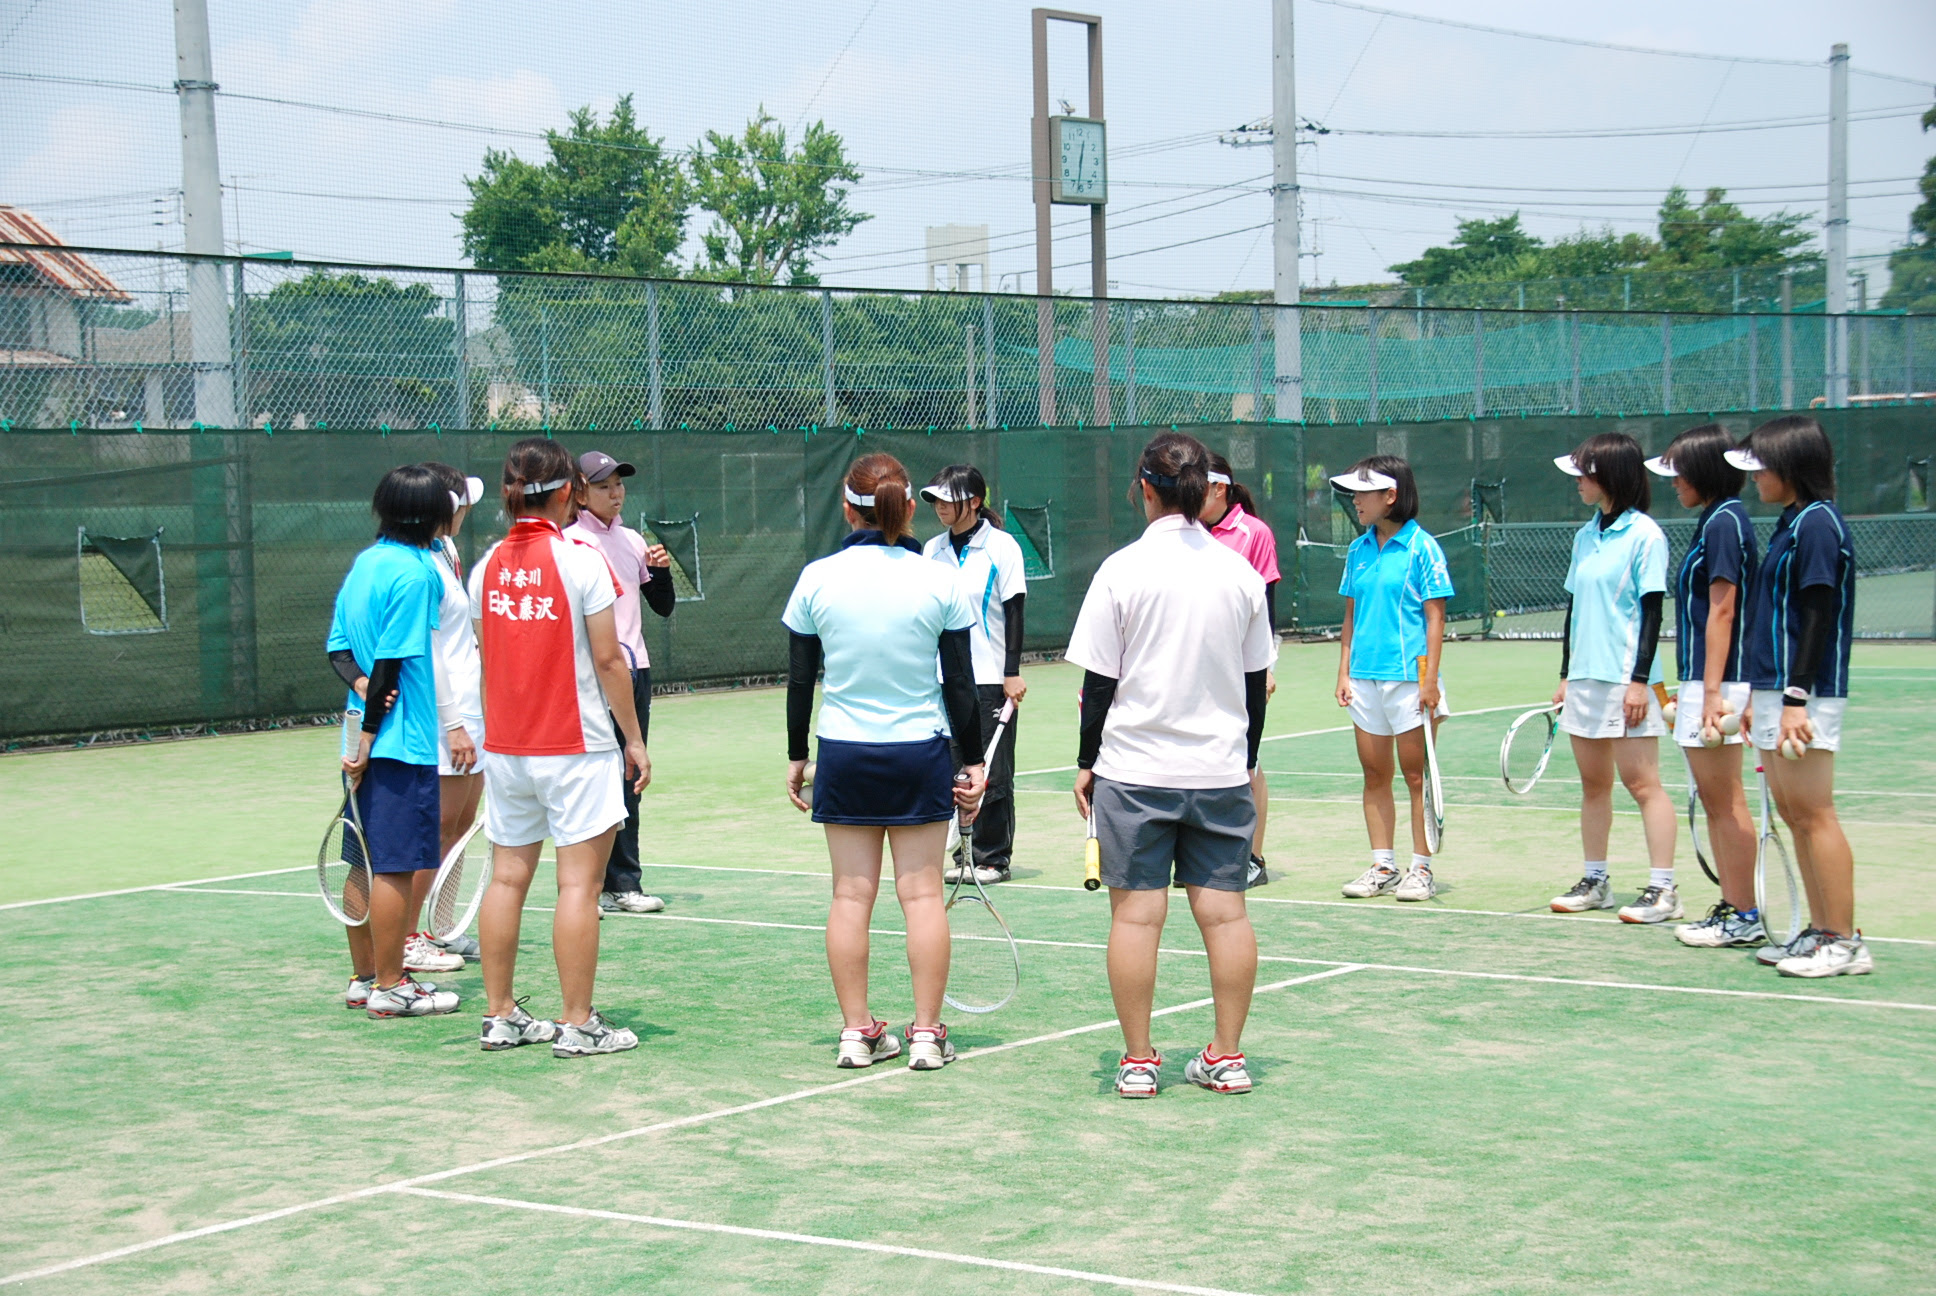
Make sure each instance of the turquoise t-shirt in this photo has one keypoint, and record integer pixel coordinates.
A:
(880, 611)
(387, 608)
(1612, 567)
(1389, 586)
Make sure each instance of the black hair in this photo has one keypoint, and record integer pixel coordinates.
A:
(452, 479)
(1406, 507)
(1177, 467)
(1698, 457)
(531, 462)
(1795, 449)
(1236, 492)
(411, 505)
(1618, 467)
(964, 482)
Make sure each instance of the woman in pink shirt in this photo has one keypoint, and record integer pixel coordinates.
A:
(1231, 515)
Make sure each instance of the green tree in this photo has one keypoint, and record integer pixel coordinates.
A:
(772, 207)
(350, 350)
(1717, 233)
(1478, 243)
(1912, 269)
(609, 197)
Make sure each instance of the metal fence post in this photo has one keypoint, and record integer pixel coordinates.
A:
(239, 349)
(1371, 365)
(1666, 363)
(460, 389)
(827, 356)
(655, 394)
(1908, 357)
(1256, 362)
(968, 377)
(1573, 338)
(1754, 361)
(1478, 363)
(1129, 366)
(544, 365)
(1788, 339)
(991, 408)
(1862, 327)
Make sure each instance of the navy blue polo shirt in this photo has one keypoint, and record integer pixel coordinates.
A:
(1810, 547)
(1724, 548)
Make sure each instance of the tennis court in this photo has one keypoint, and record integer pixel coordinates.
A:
(1468, 1095)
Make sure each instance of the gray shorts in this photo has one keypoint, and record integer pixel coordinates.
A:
(1204, 831)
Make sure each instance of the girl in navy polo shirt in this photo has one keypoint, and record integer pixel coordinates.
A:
(1801, 619)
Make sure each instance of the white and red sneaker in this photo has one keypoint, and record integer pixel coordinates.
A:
(1224, 1075)
(420, 954)
(863, 1048)
(1136, 1077)
(929, 1048)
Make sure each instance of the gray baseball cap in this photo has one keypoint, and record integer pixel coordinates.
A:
(597, 466)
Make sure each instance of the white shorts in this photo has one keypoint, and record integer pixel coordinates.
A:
(1595, 709)
(566, 798)
(1825, 714)
(476, 729)
(1687, 710)
(1387, 707)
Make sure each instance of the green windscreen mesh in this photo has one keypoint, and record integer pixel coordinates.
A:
(257, 531)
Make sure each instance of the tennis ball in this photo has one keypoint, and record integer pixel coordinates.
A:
(1730, 723)
(1793, 750)
(806, 779)
(1728, 707)
(1710, 736)
(1669, 711)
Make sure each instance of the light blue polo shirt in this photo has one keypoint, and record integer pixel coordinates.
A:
(1388, 586)
(387, 608)
(880, 611)
(1611, 568)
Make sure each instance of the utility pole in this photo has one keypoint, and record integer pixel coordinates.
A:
(202, 217)
(1290, 350)
(1837, 340)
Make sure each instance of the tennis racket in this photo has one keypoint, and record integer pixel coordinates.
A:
(1434, 788)
(343, 872)
(1091, 856)
(460, 884)
(1778, 888)
(984, 965)
(1527, 748)
(1695, 817)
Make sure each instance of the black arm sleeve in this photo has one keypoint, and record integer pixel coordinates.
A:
(959, 696)
(1270, 604)
(1817, 606)
(803, 670)
(1650, 609)
(383, 683)
(1566, 640)
(343, 662)
(1012, 624)
(1256, 694)
(658, 591)
(1098, 691)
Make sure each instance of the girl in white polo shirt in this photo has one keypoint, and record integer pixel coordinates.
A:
(460, 705)
(1616, 587)
(554, 680)
(1175, 643)
(878, 615)
(990, 567)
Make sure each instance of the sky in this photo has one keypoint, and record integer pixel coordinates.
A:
(386, 108)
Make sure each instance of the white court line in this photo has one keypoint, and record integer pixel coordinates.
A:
(1494, 778)
(682, 1122)
(810, 1239)
(158, 886)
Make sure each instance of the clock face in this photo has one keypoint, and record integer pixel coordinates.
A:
(1081, 169)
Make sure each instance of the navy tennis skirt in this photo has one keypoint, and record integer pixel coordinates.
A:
(884, 784)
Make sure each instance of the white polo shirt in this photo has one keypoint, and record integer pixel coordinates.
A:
(1177, 619)
(991, 572)
(1612, 567)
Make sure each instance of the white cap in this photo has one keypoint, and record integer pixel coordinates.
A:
(1365, 479)
(939, 492)
(1566, 464)
(1743, 459)
(1660, 467)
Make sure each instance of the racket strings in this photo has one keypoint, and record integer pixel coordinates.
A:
(983, 966)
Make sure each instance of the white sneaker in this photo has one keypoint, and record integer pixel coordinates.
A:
(990, 876)
(590, 1038)
(1771, 954)
(1835, 956)
(1654, 904)
(1374, 881)
(1416, 885)
(1725, 927)
(1587, 893)
(358, 994)
(954, 873)
(859, 1048)
(409, 998)
(1225, 1075)
(515, 1029)
(420, 955)
(636, 902)
(1136, 1077)
(929, 1048)
(465, 947)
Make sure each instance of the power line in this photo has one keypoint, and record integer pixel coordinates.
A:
(1625, 132)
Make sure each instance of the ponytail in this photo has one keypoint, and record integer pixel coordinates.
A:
(1177, 467)
(881, 477)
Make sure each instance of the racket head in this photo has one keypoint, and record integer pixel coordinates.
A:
(460, 884)
(343, 872)
(1778, 891)
(984, 964)
(1526, 749)
(1696, 816)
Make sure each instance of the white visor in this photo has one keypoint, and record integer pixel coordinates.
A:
(539, 488)
(1364, 480)
(475, 487)
(1219, 477)
(1566, 464)
(939, 493)
(1659, 467)
(858, 501)
(1743, 459)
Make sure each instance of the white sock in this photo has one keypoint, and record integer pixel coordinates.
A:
(1421, 861)
(1662, 877)
(1596, 869)
(1386, 859)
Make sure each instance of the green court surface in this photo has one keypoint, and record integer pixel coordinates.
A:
(1471, 1095)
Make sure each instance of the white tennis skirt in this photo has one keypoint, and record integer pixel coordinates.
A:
(1594, 710)
(1824, 715)
(1386, 707)
(1689, 703)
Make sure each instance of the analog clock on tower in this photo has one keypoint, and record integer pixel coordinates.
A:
(1077, 152)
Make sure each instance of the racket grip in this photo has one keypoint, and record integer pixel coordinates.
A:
(1091, 865)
